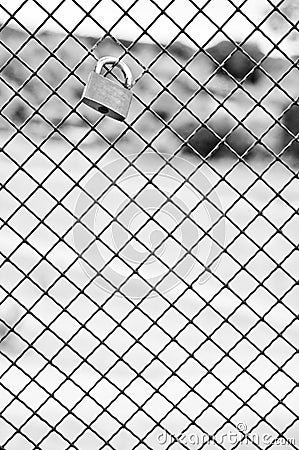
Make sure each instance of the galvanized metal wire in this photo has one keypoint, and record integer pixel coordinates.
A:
(154, 362)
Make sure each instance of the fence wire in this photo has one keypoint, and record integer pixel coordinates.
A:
(149, 267)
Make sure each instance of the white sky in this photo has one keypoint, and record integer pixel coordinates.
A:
(106, 13)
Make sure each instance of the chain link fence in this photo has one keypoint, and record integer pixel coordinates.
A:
(149, 268)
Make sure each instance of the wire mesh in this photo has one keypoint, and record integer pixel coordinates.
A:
(149, 267)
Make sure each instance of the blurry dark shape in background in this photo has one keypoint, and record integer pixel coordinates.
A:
(290, 140)
(41, 84)
(8, 320)
(207, 141)
(230, 64)
(238, 62)
(217, 142)
(4, 338)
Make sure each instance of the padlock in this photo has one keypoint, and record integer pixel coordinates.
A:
(107, 96)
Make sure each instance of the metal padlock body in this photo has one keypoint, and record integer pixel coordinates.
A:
(107, 96)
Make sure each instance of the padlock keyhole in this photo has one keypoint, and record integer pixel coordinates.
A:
(103, 109)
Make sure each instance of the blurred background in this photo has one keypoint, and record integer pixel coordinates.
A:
(214, 118)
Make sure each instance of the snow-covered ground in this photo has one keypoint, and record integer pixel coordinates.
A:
(118, 373)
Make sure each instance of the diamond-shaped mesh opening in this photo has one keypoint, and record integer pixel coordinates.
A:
(149, 267)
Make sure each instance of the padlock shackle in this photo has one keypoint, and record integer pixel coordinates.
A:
(123, 67)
